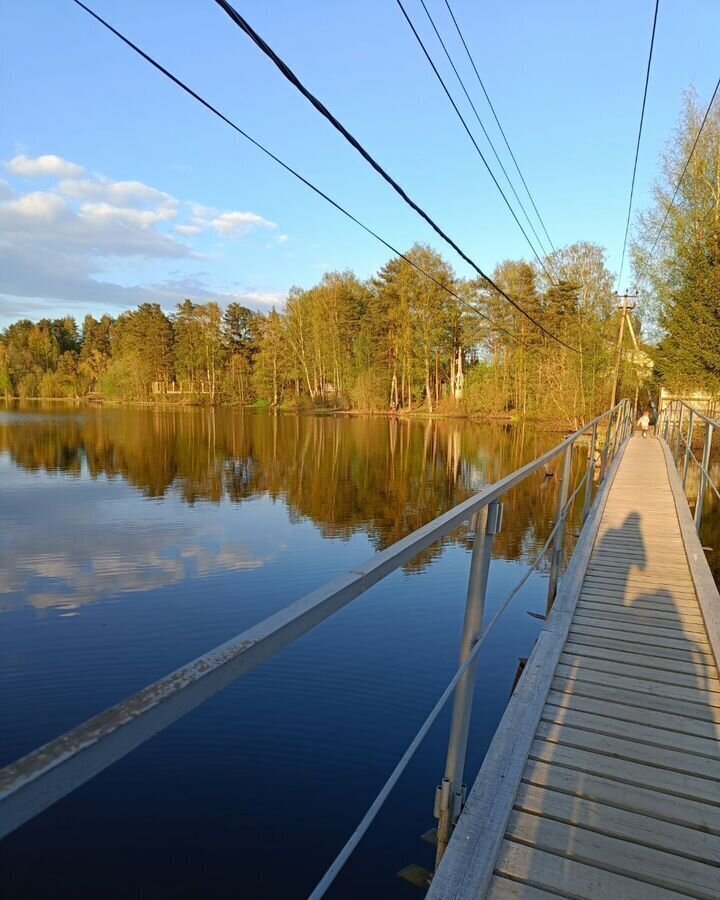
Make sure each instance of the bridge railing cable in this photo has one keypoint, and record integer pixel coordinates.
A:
(413, 746)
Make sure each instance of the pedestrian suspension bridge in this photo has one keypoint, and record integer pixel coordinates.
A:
(603, 778)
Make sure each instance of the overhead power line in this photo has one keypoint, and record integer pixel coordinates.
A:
(685, 168)
(470, 135)
(497, 122)
(188, 90)
(325, 112)
(637, 146)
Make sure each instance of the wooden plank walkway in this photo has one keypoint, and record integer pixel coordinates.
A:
(617, 793)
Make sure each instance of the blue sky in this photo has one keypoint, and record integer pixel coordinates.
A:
(150, 197)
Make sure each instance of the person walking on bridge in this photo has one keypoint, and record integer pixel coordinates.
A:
(644, 423)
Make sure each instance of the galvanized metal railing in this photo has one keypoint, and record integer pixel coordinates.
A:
(40, 779)
(670, 423)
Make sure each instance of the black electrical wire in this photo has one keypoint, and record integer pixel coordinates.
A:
(687, 163)
(470, 135)
(482, 126)
(637, 147)
(288, 168)
(325, 112)
(497, 122)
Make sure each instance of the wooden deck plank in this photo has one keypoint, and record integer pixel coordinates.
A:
(637, 668)
(620, 793)
(631, 653)
(637, 699)
(682, 614)
(635, 827)
(619, 856)
(668, 781)
(627, 748)
(692, 696)
(657, 598)
(639, 637)
(657, 735)
(571, 878)
(701, 817)
(505, 889)
(632, 616)
(624, 713)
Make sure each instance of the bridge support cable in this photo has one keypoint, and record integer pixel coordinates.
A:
(290, 170)
(497, 122)
(288, 73)
(469, 133)
(637, 146)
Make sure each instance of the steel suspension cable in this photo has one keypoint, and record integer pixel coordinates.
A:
(181, 84)
(287, 72)
(497, 122)
(637, 146)
(470, 135)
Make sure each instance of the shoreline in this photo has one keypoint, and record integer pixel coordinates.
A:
(556, 424)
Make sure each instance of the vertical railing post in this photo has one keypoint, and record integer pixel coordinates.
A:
(703, 477)
(619, 430)
(666, 421)
(606, 447)
(450, 795)
(560, 516)
(589, 474)
(688, 445)
(678, 437)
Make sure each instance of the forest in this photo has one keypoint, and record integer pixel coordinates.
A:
(399, 340)
(415, 336)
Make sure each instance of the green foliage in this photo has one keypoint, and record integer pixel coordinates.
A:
(681, 270)
(398, 342)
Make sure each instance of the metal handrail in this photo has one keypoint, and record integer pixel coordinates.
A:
(670, 424)
(699, 465)
(413, 746)
(42, 777)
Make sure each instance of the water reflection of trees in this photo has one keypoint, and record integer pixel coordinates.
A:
(379, 476)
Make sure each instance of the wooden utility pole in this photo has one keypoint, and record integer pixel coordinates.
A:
(624, 307)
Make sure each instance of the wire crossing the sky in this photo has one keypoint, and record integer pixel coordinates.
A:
(687, 163)
(482, 125)
(497, 122)
(294, 172)
(637, 147)
(325, 112)
(470, 135)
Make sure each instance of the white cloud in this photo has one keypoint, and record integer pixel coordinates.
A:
(103, 212)
(43, 167)
(37, 205)
(57, 244)
(282, 238)
(269, 298)
(117, 193)
(230, 223)
(188, 230)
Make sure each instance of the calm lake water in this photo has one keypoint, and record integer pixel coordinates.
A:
(133, 540)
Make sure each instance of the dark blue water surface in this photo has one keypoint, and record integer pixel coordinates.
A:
(132, 541)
